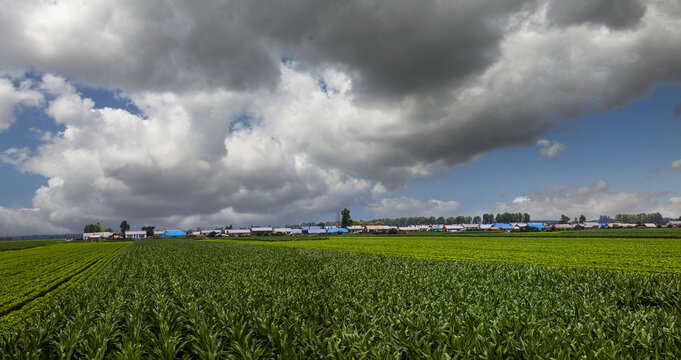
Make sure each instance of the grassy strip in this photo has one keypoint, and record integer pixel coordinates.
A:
(657, 255)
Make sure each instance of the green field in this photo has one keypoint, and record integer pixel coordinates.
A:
(661, 255)
(31, 277)
(25, 244)
(168, 299)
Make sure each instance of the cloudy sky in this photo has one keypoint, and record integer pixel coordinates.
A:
(208, 113)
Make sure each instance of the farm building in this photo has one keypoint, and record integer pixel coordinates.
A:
(337, 231)
(376, 229)
(313, 230)
(136, 235)
(407, 229)
(650, 225)
(471, 227)
(592, 225)
(283, 231)
(673, 223)
(453, 228)
(96, 236)
(537, 226)
(159, 234)
(437, 227)
(502, 227)
(261, 230)
(355, 228)
(238, 232)
(486, 227)
(174, 233)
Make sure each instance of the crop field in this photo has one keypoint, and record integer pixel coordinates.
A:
(658, 255)
(167, 299)
(31, 277)
(25, 244)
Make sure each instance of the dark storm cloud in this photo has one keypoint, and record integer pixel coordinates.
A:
(394, 47)
(388, 47)
(615, 14)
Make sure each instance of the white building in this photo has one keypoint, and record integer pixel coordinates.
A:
(136, 235)
(238, 232)
(96, 235)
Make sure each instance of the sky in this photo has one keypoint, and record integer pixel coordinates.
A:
(184, 114)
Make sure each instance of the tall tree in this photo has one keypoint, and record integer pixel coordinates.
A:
(526, 218)
(564, 219)
(476, 220)
(124, 227)
(346, 220)
(149, 230)
(582, 219)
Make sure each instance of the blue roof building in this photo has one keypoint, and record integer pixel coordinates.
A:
(174, 233)
(537, 226)
(504, 226)
(337, 230)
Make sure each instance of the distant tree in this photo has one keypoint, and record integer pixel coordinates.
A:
(108, 230)
(604, 219)
(346, 220)
(228, 227)
(149, 230)
(355, 222)
(378, 222)
(476, 220)
(211, 234)
(564, 219)
(124, 227)
(487, 218)
(526, 218)
(90, 228)
(582, 219)
(639, 222)
(679, 218)
(321, 224)
(392, 231)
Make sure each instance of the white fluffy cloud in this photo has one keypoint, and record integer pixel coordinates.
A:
(273, 114)
(11, 97)
(550, 149)
(406, 206)
(675, 165)
(592, 201)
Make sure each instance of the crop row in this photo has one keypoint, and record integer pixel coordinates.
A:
(170, 299)
(32, 277)
(643, 254)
